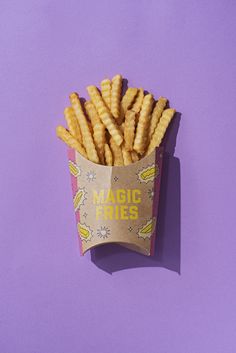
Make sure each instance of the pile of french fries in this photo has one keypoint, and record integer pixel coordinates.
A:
(115, 130)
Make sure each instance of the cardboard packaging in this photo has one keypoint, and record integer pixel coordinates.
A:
(116, 204)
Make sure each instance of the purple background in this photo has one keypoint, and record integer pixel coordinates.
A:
(53, 300)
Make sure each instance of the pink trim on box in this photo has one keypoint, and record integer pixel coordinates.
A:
(71, 157)
(157, 184)
(74, 183)
(71, 154)
(77, 217)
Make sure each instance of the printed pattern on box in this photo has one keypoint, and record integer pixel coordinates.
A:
(116, 204)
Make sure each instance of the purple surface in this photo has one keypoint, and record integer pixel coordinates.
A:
(53, 300)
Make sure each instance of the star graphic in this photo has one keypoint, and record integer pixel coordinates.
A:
(103, 232)
(91, 176)
(151, 194)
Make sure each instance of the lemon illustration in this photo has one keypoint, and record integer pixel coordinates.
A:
(74, 169)
(84, 231)
(148, 174)
(147, 229)
(79, 198)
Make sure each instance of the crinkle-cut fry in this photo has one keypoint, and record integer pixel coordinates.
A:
(134, 156)
(106, 91)
(160, 130)
(141, 136)
(129, 129)
(65, 136)
(117, 153)
(92, 113)
(116, 88)
(127, 101)
(105, 115)
(98, 129)
(137, 105)
(156, 114)
(85, 129)
(99, 132)
(72, 122)
(108, 155)
(126, 156)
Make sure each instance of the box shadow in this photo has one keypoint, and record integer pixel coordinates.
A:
(113, 257)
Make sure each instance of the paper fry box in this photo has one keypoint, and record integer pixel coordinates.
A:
(116, 204)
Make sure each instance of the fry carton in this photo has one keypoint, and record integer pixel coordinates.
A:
(115, 161)
(116, 204)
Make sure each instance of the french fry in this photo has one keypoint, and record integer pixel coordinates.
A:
(65, 136)
(126, 156)
(112, 130)
(108, 155)
(98, 129)
(116, 95)
(72, 122)
(105, 115)
(126, 102)
(106, 92)
(156, 114)
(160, 130)
(85, 130)
(137, 105)
(92, 113)
(129, 129)
(134, 156)
(141, 136)
(117, 153)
